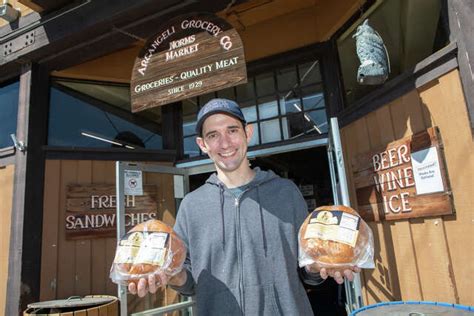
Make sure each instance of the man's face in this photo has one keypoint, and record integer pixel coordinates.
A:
(225, 140)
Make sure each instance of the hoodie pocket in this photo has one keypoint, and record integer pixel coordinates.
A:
(261, 300)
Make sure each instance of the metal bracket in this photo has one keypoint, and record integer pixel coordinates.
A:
(8, 13)
(18, 43)
(19, 145)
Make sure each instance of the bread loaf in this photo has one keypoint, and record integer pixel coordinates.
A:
(335, 236)
(147, 248)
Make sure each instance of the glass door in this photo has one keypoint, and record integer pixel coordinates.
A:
(172, 179)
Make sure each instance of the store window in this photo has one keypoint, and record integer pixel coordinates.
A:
(98, 115)
(411, 31)
(284, 104)
(8, 112)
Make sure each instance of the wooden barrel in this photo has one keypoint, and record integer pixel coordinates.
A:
(90, 305)
(414, 308)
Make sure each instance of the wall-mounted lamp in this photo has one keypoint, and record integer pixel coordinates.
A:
(374, 60)
(8, 13)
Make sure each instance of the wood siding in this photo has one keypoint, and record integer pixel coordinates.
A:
(81, 267)
(6, 198)
(430, 258)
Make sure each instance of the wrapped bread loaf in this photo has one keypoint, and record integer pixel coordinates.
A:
(336, 237)
(147, 248)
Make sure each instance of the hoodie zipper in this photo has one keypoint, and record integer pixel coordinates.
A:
(239, 253)
(239, 249)
(239, 244)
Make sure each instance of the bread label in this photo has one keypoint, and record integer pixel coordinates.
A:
(139, 247)
(153, 249)
(333, 225)
(128, 247)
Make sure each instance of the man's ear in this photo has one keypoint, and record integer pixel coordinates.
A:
(201, 144)
(249, 132)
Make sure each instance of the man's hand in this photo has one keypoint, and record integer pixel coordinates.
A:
(156, 281)
(337, 274)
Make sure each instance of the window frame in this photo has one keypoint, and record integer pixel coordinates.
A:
(324, 53)
(101, 105)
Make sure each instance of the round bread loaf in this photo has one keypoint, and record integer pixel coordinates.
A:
(330, 244)
(147, 248)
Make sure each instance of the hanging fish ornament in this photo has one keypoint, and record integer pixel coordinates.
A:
(373, 56)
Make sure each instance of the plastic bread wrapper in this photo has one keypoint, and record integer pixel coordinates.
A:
(333, 246)
(153, 249)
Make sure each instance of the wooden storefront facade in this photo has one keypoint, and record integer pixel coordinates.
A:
(422, 258)
(426, 258)
(82, 266)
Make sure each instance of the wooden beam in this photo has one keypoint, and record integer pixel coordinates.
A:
(89, 19)
(33, 212)
(142, 24)
(461, 28)
(25, 244)
(95, 28)
(17, 219)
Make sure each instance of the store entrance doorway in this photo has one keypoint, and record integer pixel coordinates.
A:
(309, 170)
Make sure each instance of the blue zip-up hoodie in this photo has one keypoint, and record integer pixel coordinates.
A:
(242, 251)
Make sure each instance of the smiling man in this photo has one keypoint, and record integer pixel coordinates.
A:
(224, 137)
(241, 230)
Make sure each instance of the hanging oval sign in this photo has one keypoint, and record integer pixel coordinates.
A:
(189, 56)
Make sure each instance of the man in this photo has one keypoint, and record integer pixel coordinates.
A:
(241, 230)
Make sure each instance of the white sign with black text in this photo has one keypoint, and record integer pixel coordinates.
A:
(133, 182)
(426, 171)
